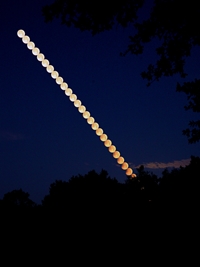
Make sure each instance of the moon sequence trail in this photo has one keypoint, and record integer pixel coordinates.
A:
(77, 103)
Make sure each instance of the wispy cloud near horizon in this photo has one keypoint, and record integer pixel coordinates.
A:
(11, 136)
(163, 165)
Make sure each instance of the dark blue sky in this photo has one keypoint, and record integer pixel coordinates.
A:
(42, 135)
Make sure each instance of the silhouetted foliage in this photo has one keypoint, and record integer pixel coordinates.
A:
(83, 192)
(192, 89)
(17, 212)
(94, 16)
(94, 191)
(18, 198)
(174, 24)
(58, 195)
(143, 188)
(100, 210)
(94, 213)
(179, 188)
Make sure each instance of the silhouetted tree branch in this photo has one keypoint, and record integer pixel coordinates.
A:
(192, 89)
(174, 24)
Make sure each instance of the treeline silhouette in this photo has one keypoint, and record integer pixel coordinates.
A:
(99, 191)
(96, 207)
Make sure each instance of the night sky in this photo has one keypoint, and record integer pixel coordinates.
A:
(42, 135)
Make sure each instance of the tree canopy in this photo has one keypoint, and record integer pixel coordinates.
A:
(97, 192)
(174, 23)
(18, 198)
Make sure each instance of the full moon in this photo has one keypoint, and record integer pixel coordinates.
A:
(86, 114)
(103, 137)
(125, 166)
(50, 69)
(59, 80)
(120, 160)
(54, 74)
(25, 39)
(73, 97)
(95, 126)
(30, 45)
(40, 57)
(99, 131)
(36, 51)
(77, 103)
(64, 86)
(129, 171)
(45, 63)
(90, 120)
(82, 109)
(68, 91)
(20, 33)
(112, 149)
(107, 143)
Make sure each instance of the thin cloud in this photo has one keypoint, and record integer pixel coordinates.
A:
(163, 165)
(11, 136)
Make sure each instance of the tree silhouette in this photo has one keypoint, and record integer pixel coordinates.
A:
(83, 192)
(58, 195)
(192, 89)
(174, 24)
(144, 187)
(101, 210)
(179, 188)
(18, 198)
(93, 16)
